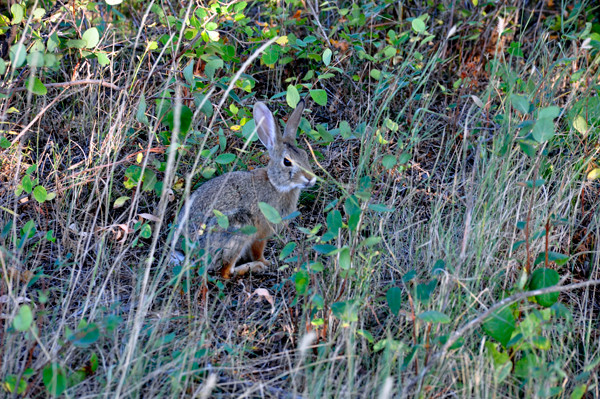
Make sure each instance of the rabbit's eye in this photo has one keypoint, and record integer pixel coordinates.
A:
(287, 162)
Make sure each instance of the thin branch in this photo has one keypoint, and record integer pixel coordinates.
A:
(69, 84)
(479, 319)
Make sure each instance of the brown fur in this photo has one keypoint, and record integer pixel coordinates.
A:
(237, 195)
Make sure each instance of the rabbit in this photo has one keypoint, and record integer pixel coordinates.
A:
(237, 194)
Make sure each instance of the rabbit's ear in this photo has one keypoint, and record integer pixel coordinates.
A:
(291, 128)
(265, 125)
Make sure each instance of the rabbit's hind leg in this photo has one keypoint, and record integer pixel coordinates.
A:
(259, 263)
(234, 248)
(257, 249)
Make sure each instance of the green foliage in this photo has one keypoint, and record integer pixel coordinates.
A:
(319, 96)
(543, 278)
(433, 316)
(270, 213)
(55, 379)
(23, 319)
(500, 325)
(394, 299)
(411, 177)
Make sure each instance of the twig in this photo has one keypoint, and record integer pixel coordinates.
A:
(316, 16)
(69, 84)
(38, 116)
(479, 319)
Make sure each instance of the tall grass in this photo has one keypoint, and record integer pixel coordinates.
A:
(457, 203)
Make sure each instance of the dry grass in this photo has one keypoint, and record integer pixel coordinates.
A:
(457, 199)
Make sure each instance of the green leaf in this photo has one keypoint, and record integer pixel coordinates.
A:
(149, 180)
(35, 86)
(23, 318)
(324, 248)
(141, 112)
(248, 230)
(549, 112)
(76, 44)
(502, 372)
(28, 230)
(367, 335)
(326, 57)
(543, 278)
(55, 379)
(270, 213)
(317, 266)
(537, 183)
(206, 106)
(271, 55)
(2, 66)
(288, 249)
(224, 159)
(4, 143)
(53, 42)
(433, 316)
(35, 59)
(222, 220)
(185, 119)
(188, 74)
(345, 130)
(404, 158)
(334, 221)
(579, 391)
(389, 51)
(49, 236)
(557, 257)
(17, 55)
(86, 335)
(11, 381)
(499, 358)
(580, 124)
(345, 259)
(389, 161)
(418, 25)
(91, 37)
(212, 65)
(380, 208)
(27, 184)
(541, 342)
(500, 325)
(527, 366)
(515, 49)
(103, 59)
(394, 299)
(520, 103)
(375, 74)
(319, 96)
(17, 12)
(301, 279)
(40, 194)
(543, 130)
(346, 311)
(292, 97)
(370, 241)
(146, 231)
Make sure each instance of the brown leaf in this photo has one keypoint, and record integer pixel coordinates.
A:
(149, 217)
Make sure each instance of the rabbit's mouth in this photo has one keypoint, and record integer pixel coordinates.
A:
(308, 183)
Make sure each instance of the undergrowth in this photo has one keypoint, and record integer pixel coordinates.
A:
(450, 248)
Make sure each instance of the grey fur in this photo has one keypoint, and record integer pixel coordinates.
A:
(237, 194)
